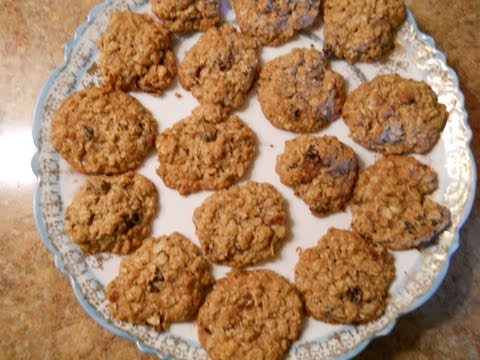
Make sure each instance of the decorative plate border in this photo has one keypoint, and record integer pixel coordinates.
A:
(43, 227)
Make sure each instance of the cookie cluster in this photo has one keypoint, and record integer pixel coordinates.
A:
(251, 314)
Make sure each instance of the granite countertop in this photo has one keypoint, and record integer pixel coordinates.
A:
(39, 314)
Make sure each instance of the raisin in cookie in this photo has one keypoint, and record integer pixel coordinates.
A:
(187, 15)
(221, 67)
(164, 281)
(136, 54)
(361, 30)
(321, 170)
(242, 225)
(344, 279)
(390, 206)
(206, 151)
(112, 213)
(103, 132)
(250, 315)
(298, 93)
(274, 22)
(393, 115)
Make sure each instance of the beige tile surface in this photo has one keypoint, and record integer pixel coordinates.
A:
(39, 315)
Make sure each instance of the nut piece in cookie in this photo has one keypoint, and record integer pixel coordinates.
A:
(103, 132)
(390, 206)
(250, 315)
(393, 115)
(274, 22)
(136, 54)
(164, 281)
(242, 225)
(209, 150)
(344, 279)
(322, 171)
(187, 15)
(112, 213)
(361, 30)
(298, 93)
(221, 67)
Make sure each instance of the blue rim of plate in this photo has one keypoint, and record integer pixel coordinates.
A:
(37, 117)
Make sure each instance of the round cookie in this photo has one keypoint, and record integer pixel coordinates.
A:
(390, 207)
(206, 151)
(112, 213)
(187, 15)
(136, 54)
(101, 132)
(164, 281)
(274, 22)
(344, 279)
(321, 170)
(221, 67)
(361, 30)
(250, 315)
(298, 93)
(241, 225)
(393, 115)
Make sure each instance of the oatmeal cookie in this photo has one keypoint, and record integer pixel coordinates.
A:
(321, 170)
(136, 54)
(221, 67)
(393, 115)
(187, 15)
(164, 281)
(344, 279)
(112, 213)
(100, 132)
(298, 93)
(361, 30)
(390, 207)
(206, 151)
(250, 315)
(242, 225)
(274, 22)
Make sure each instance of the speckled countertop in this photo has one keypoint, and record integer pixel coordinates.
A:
(39, 314)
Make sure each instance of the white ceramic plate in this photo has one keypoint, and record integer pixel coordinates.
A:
(419, 273)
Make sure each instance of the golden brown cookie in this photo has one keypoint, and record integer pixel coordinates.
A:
(322, 171)
(241, 225)
(298, 93)
(136, 54)
(101, 132)
(344, 279)
(164, 281)
(250, 315)
(361, 30)
(112, 213)
(393, 115)
(221, 67)
(390, 206)
(187, 15)
(274, 22)
(209, 150)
